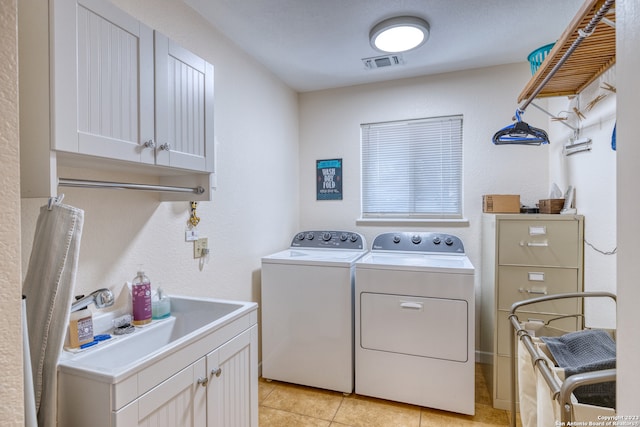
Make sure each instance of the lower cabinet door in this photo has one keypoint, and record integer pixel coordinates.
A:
(232, 395)
(179, 401)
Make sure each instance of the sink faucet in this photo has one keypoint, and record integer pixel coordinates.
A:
(101, 298)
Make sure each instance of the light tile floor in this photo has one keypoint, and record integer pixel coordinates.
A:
(288, 405)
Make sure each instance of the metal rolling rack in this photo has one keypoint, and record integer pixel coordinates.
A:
(560, 392)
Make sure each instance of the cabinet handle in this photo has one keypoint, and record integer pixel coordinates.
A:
(216, 372)
(165, 147)
(149, 144)
(531, 292)
(538, 244)
(203, 381)
(535, 244)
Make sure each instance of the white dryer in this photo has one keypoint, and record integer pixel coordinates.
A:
(308, 310)
(415, 321)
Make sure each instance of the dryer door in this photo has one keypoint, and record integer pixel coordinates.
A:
(417, 326)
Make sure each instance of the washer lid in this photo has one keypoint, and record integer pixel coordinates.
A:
(336, 257)
(453, 263)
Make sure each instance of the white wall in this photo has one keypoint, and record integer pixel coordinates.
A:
(330, 128)
(254, 209)
(593, 175)
(628, 202)
(11, 394)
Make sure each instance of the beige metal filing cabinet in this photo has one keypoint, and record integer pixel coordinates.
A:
(526, 256)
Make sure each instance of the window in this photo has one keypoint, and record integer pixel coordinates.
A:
(412, 168)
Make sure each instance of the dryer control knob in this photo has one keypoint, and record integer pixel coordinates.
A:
(309, 236)
(396, 239)
(353, 237)
(300, 236)
(416, 239)
(448, 241)
(343, 237)
(326, 236)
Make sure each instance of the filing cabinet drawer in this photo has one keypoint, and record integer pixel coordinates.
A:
(505, 329)
(521, 283)
(541, 242)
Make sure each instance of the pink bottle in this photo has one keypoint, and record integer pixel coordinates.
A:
(141, 297)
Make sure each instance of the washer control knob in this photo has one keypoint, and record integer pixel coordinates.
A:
(344, 237)
(300, 236)
(326, 236)
(448, 241)
(436, 240)
(309, 236)
(396, 239)
(416, 239)
(353, 237)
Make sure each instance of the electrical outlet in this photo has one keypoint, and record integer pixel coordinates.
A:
(200, 247)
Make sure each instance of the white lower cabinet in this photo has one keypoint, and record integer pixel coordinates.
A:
(218, 390)
(233, 374)
(179, 401)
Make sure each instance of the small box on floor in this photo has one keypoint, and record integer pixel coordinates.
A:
(501, 203)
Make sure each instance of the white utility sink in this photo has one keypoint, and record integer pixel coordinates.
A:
(191, 319)
(178, 366)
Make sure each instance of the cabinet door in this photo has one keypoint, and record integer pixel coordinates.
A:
(232, 397)
(184, 107)
(102, 74)
(179, 401)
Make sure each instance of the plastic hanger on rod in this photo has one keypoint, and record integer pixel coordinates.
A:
(520, 133)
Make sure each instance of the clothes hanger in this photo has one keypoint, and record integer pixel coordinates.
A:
(520, 133)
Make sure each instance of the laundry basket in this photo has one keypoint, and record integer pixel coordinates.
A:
(537, 57)
(546, 395)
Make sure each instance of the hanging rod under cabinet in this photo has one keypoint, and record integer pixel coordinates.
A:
(85, 183)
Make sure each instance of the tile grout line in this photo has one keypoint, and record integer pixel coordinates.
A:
(338, 408)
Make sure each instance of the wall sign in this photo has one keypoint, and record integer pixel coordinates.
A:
(329, 179)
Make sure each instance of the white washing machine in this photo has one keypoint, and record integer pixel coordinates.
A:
(415, 321)
(308, 310)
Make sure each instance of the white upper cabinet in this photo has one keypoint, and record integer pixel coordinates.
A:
(117, 95)
(184, 107)
(119, 112)
(102, 90)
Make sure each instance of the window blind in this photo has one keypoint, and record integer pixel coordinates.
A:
(412, 168)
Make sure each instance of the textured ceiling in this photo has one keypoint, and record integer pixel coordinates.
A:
(319, 44)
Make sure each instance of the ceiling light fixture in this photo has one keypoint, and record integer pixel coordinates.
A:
(399, 34)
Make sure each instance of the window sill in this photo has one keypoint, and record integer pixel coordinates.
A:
(457, 222)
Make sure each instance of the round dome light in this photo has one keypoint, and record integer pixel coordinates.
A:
(399, 34)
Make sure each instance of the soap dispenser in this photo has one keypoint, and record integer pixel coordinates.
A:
(141, 298)
(160, 305)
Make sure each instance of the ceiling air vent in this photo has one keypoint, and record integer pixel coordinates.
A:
(383, 61)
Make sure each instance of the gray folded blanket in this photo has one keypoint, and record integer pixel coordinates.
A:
(586, 351)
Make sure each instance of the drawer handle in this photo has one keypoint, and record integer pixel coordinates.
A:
(536, 244)
(532, 292)
(411, 305)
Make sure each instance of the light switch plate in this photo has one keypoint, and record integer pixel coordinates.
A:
(191, 235)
